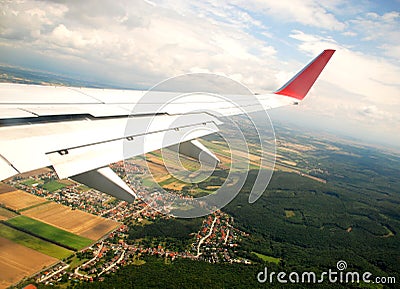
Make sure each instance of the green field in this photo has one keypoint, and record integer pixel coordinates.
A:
(53, 186)
(267, 258)
(53, 234)
(33, 242)
(30, 182)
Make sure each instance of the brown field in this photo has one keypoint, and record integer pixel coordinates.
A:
(74, 221)
(35, 173)
(6, 214)
(4, 188)
(66, 182)
(17, 261)
(18, 200)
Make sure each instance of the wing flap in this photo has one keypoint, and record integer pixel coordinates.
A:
(105, 180)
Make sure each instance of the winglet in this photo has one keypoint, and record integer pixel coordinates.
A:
(301, 83)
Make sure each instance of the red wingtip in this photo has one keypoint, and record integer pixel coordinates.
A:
(301, 83)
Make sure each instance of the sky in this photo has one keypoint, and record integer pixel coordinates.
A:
(260, 43)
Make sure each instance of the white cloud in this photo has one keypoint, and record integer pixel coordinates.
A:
(375, 27)
(307, 12)
(349, 33)
(390, 50)
(142, 38)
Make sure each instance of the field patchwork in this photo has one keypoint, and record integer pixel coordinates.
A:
(18, 200)
(74, 221)
(6, 214)
(34, 243)
(17, 261)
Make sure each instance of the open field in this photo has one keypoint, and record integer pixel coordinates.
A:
(4, 188)
(50, 233)
(18, 200)
(289, 213)
(33, 242)
(267, 258)
(30, 182)
(53, 186)
(17, 261)
(177, 186)
(6, 214)
(34, 173)
(67, 182)
(74, 221)
(290, 163)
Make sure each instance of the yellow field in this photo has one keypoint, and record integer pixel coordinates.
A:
(290, 163)
(74, 221)
(177, 186)
(18, 200)
(224, 159)
(17, 261)
(289, 213)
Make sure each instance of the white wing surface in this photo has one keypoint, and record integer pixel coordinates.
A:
(80, 131)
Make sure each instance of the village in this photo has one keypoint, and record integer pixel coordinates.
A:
(216, 241)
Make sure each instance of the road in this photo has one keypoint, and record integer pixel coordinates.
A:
(54, 273)
(205, 237)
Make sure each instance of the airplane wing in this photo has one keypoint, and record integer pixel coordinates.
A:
(80, 131)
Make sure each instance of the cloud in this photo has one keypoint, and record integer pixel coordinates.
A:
(377, 27)
(140, 39)
(307, 12)
(392, 51)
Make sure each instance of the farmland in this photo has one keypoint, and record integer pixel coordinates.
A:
(33, 242)
(73, 221)
(50, 233)
(17, 261)
(6, 214)
(4, 188)
(18, 200)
